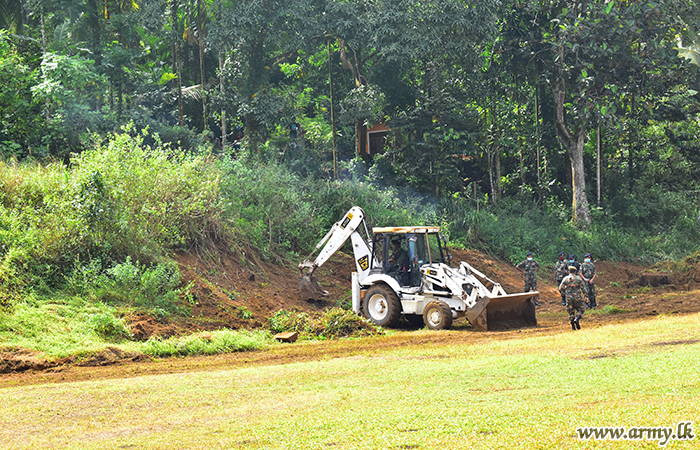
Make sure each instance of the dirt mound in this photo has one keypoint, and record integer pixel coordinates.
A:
(21, 360)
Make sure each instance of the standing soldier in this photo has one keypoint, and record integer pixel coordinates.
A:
(588, 274)
(530, 268)
(573, 287)
(573, 262)
(561, 269)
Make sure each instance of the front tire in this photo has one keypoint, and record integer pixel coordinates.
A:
(382, 306)
(437, 315)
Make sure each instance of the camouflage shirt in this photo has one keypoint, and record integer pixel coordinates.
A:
(587, 270)
(573, 287)
(530, 267)
(561, 269)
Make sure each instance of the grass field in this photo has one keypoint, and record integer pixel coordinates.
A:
(528, 393)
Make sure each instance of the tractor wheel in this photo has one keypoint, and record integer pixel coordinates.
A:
(382, 306)
(437, 315)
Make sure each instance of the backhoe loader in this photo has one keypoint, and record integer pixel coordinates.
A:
(416, 281)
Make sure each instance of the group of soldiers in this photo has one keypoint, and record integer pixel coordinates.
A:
(576, 283)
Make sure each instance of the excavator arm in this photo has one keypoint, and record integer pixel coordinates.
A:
(344, 229)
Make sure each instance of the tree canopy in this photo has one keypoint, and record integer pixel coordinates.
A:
(591, 104)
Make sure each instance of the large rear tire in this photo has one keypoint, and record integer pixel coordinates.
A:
(382, 306)
(437, 315)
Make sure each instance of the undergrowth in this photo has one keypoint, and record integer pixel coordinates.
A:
(82, 244)
(331, 324)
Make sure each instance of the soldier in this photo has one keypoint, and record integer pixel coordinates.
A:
(561, 269)
(530, 268)
(574, 288)
(588, 274)
(573, 262)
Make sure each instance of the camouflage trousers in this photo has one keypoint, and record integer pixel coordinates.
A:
(591, 293)
(530, 282)
(574, 306)
(563, 295)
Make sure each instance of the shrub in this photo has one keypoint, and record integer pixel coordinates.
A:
(155, 287)
(336, 323)
(109, 327)
(332, 324)
(221, 341)
(285, 321)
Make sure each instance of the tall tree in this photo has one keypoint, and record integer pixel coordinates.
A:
(596, 54)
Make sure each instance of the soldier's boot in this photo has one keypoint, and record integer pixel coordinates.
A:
(573, 325)
(578, 325)
(536, 302)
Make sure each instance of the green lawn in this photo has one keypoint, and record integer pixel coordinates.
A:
(529, 393)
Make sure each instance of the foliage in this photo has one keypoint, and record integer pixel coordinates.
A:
(20, 116)
(265, 207)
(61, 326)
(221, 341)
(157, 288)
(512, 228)
(333, 323)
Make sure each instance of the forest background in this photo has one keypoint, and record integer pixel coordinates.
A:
(133, 129)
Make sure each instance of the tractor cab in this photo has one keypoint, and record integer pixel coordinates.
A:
(401, 251)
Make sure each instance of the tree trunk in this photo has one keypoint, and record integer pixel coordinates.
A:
(333, 130)
(494, 160)
(573, 143)
(176, 59)
(221, 90)
(200, 41)
(223, 110)
(599, 141)
(581, 209)
(537, 137)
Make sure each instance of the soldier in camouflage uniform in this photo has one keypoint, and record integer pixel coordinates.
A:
(530, 268)
(588, 274)
(574, 288)
(561, 269)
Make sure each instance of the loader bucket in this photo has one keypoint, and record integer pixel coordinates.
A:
(309, 289)
(504, 312)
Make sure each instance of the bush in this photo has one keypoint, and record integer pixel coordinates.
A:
(154, 287)
(332, 324)
(109, 327)
(336, 323)
(221, 341)
(286, 321)
(266, 208)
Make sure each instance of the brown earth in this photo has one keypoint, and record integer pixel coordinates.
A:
(233, 291)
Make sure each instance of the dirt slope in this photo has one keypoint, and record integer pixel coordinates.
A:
(228, 292)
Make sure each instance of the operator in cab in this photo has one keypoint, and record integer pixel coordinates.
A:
(399, 261)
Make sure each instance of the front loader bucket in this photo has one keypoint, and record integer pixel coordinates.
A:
(309, 289)
(504, 312)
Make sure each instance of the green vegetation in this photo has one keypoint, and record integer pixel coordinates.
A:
(525, 393)
(221, 341)
(85, 246)
(332, 324)
(609, 309)
(505, 120)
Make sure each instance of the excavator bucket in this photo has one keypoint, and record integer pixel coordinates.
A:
(309, 289)
(504, 312)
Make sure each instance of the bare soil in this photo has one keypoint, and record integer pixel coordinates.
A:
(229, 290)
